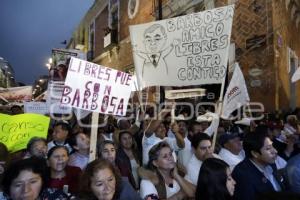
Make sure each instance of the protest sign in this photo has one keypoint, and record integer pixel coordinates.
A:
(236, 94)
(96, 88)
(23, 93)
(17, 130)
(60, 62)
(36, 107)
(54, 94)
(186, 50)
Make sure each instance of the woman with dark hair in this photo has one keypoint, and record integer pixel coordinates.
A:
(62, 176)
(171, 185)
(127, 158)
(215, 181)
(102, 181)
(26, 180)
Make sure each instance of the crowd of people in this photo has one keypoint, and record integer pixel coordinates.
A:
(151, 159)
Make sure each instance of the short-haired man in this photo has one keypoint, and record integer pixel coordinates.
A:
(60, 134)
(256, 174)
(201, 145)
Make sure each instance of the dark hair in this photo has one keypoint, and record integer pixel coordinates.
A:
(134, 145)
(32, 141)
(85, 190)
(64, 126)
(34, 164)
(51, 151)
(72, 141)
(196, 139)
(254, 142)
(154, 153)
(4, 154)
(212, 180)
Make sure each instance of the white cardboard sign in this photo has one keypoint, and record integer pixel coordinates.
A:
(186, 50)
(96, 88)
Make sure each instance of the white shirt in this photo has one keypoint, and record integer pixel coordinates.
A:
(148, 188)
(134, 167)
(193, 169)
(280, 162)
(149, 142)
(231, 159)
(185, 154)
(78, 160)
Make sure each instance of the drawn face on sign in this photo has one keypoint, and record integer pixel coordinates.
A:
(155, 38)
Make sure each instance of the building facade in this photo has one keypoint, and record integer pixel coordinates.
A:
(7, 77)
(265, 40)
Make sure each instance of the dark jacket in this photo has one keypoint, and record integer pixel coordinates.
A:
(250, 182)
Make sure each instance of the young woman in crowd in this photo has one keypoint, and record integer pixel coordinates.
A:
(215, 181)
(25, 180)
(128, 158)
(102, 181)
(62, 176)
(171, 185)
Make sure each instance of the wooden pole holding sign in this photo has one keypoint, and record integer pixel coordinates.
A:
(220, 105)
(94, 132)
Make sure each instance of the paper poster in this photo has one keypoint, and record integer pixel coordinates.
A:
(23, 93)
(96, 88)
(61, 59)
(36, 107)
(17, 130)
(186, 50)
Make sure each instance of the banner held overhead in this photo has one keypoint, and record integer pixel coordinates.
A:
(186, 50)
(96, 88)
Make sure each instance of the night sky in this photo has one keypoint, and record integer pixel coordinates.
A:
(31, 28)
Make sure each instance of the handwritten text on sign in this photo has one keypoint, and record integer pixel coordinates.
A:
(17, 130)
(96, 88)
(186, 50)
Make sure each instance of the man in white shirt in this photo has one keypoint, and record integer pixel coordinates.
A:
(201, 145)
(232, 149)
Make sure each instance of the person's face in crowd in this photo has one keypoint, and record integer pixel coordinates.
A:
(103, 184)
(161, 131)
(230, 183)
(39, 149)
(204, 126)
(83, 141)
(126, 141)
(165, 159)
(182, 127)
(234, 145)
(154, 41)
(109, 152)
(203, 150)
(197, 128)
(26, 186)
(58, 160)
(267, 153)
(59, 134)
